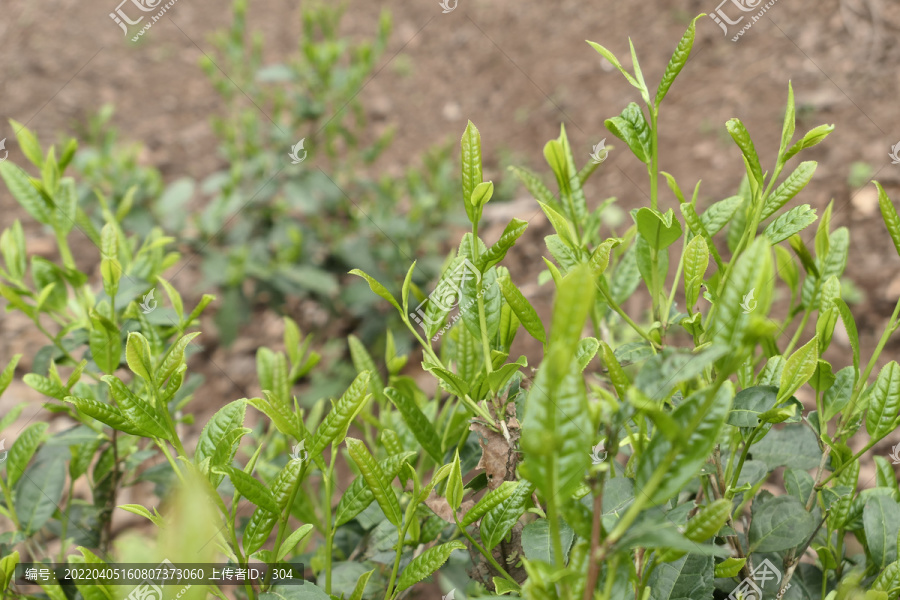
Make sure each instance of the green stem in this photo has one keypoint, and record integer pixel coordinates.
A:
(389, 592)
(174, 465)
(740, 466)
(329, 528)
(654, 157)
(490, 558)
(625, 317)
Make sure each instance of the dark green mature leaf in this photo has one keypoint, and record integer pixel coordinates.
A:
(690, 577)
(884, 402)
(38, 494)
(23, 449)
(307, 591)
(789, 188)
(335, 424)
(881, 520)
(778, 524)
(470, 147)
(537, 544)
(418, 423)
(795, 446)
(792, 222)
(677, 62)
(359, 496)
(427, 563)
(889, 579)
(631, 127)
(695, 447)
(376, 480)
(498, 521)
(749, 403)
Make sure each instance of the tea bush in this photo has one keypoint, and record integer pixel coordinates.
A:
(661, 458)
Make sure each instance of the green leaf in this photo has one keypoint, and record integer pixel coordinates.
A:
(488, 502)
(687, 577)
(789, 188)
(696, 261)
(752, 272)
(631, 127)
(809, 140)
(889, 579)
(615, 62)
(307, 591)
(889, 214)
(262, 521)
(778, 524)
(137, 354)
(23, 449)
(537, 544)
(498, 250)
(174, 357)
(751, 402)
(38, 494)
(660, 230)
(335, 424)
(884, 402)
(418, 423)
(498, 521)
(454, 492)
(795, 446)
(359, 496)
(677, 62)
(292, 540)
(142, 414)
(718, 214)
(489, 292)
(693, 450)
(21, 188)
(790, 121)
(106, 414)
(523, 310)
(427, 563)
(106, 343)
(881, 520)
(250, 488)
(741, 137)
(708, 521)
(6, 377)
(792, 222)
(730, 567)
(470, 147)
(376, 480)
(28, 143)
(377, 287)
(110, 268)
(534, 185)
(798, 369)
(227, 418)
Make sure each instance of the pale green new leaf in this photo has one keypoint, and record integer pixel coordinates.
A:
(884, 402)
(798, 369)
(376, 480)
(427, 563)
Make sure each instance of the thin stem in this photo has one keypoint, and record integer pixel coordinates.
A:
(490, 558)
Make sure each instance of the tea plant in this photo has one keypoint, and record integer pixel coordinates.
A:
(666, 456)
